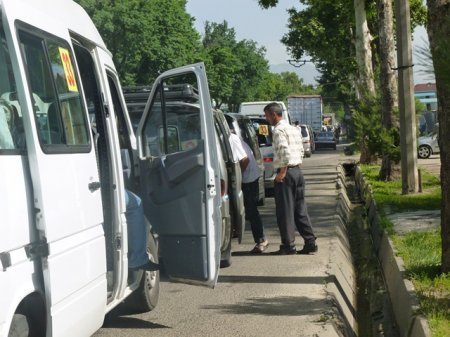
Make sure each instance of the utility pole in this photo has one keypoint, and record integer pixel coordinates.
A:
(406, 102)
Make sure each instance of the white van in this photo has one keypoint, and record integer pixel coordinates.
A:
(256, 109)
(68, 153)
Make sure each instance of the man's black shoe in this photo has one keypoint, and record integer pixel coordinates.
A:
(309, 248)
(285, 250)
(149, 266)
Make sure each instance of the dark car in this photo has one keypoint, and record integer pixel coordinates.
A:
(325, 139)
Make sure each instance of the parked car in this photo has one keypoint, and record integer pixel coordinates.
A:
(247, 133)
(309, 145)
(232, 202)
(325, 139)
(264, 133)
(428, 145)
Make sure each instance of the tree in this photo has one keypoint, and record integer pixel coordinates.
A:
(221, 63)
(388, 79)
(325, 36)
(145, 37)
(236, 70)
(438, 32)
(276, 87)
(252, 70)
(363, 38)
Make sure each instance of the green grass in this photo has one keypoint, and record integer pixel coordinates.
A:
(389, 194)
(420, 251)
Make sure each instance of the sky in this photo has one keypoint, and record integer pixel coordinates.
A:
(266, 27)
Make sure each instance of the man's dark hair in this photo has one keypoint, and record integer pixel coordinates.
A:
(274, 107)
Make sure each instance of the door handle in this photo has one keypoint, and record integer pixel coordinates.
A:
(93, 186)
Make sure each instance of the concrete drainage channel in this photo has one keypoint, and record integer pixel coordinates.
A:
(385, 302)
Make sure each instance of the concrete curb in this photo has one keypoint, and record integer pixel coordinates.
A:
(401, 291)
(341, 280)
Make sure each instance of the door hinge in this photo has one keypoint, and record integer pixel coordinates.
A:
(119, 242)
(37, 249)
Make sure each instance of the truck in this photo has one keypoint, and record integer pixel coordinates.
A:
(68, 157)
(306, 109)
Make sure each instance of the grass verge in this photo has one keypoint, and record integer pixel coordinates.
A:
(420, 251)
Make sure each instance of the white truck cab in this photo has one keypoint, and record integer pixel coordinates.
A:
(68, 153)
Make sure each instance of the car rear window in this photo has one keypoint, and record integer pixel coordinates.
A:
(263, 131)
(304, 131)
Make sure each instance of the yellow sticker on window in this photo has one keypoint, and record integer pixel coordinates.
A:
(263, 130)
(68, 70)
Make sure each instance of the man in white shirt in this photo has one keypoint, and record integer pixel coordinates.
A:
(250, 188)
(289, 185)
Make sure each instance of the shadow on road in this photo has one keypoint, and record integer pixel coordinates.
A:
(116, 319)
(274, 306)
(273, 279)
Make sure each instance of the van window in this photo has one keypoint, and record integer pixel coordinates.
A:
(60, 119)
(12, 135)
(173, 123)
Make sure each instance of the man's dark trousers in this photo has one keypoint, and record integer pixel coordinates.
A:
(251, 196)
(291, 208)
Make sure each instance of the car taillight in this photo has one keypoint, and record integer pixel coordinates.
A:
(223, 189)
(306, 142)
(267, 159)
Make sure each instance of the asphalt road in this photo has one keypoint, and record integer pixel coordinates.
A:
(264, 295)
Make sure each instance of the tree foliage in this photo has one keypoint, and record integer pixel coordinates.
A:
(149, 37)
(145, 37)
(379, 140)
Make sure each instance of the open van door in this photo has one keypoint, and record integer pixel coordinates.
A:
(179, 174)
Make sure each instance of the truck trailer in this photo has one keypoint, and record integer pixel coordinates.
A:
(306, 109)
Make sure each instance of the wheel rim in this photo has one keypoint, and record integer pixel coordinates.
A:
(151, 275)
(424, 152)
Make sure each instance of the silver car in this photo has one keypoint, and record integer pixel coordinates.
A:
(264, 132)
(309, 145)
(428, 145)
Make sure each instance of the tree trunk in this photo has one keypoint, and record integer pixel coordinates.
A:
(366, 85)
(438, 33)
(363, 51)
(388, 78)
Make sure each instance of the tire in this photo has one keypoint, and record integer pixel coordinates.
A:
(146, 296)
(424, 151)
(19, 326)
(225, 256)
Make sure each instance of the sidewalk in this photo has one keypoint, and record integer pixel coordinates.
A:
(329, 209)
